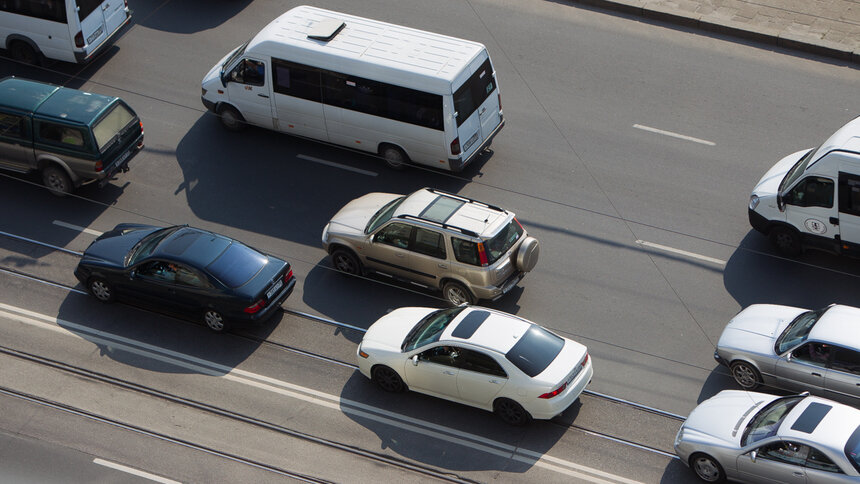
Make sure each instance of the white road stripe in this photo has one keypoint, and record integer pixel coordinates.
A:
(674, 135)
(133, 471)
(337, 165)
(681, 252)
(77, 227)
(309, 395)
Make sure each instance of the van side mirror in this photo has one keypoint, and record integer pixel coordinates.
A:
(780, 202)
(415, 360)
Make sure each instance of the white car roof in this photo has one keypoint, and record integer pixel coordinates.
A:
(846, 138)
(499, 331)
(476, 217)
(838, 325)
(832, 430)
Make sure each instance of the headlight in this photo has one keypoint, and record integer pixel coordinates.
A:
(753, 201)
(204, 90)
(680, 436)
(325, 234)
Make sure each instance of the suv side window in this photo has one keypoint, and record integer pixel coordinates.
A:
(395, 234)
(846, 360)
(59, 134)
(814, 353)
(465, 251)
(479, 362)
(12, 126)
(430, 243)
(813, 191)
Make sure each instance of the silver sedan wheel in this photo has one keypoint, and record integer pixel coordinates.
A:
(214, 320)
(707, 469)
(745, 375)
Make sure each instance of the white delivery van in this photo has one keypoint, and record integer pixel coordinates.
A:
(812, 198)
(402, 93)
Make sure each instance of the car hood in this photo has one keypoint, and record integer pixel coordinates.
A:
(112, 246)
(725, 415)
(756, 327)
(769, 183)
(390, 330)
(353, 217)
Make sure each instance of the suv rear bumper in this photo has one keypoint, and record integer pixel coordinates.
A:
(493, 293)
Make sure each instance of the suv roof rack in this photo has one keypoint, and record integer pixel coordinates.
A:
(470, 233)
(460, 197)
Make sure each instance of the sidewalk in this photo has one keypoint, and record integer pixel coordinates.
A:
(823, 27)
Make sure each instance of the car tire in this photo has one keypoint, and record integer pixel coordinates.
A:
(511, 412)
(214, 321)
(394, 157)
(528, 254)
(786, 240)
(23, 52)
(231, 119)
(457, 294)
(101, 289)
(707, 468)
(388, 379)
(346, 262)
(746, 375)
(57, 180)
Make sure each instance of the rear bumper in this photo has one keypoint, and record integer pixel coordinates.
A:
(273, 305)
(457, 164)
(549, 408)
(121, 165)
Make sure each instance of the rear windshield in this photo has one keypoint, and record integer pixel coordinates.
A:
(852, 449)
(237, 265)
(86, 7)
(474, 91)
(111, 125)
(535, 350)
(502, 242)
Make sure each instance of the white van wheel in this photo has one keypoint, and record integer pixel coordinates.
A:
(395, 158)
(231, 119)
(24, 52)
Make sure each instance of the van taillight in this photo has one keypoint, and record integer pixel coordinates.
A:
(79, 39)
(482, 255)
(500, 101)
(455, 146)
(99, 165)
(256, 306)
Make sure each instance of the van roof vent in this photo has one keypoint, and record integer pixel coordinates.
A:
(325, 30)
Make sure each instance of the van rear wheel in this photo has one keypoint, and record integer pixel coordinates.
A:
(57, 180)
(395, 158)
(24, 52)
(231, 119)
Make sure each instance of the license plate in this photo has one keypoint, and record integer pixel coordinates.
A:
(471, 141)
(274, 289)
(123, 157)
(94, 35)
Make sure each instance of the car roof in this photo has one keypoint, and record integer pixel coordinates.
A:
(495, 330)
(192, 246)
(52, 101)
(838, 325)
(453, 210)
(846, 138)
(823, 421)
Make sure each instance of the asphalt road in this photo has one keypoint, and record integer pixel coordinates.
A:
(579, 162)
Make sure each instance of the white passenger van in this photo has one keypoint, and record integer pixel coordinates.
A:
(405, 94)
(812, 198)
(66, 30)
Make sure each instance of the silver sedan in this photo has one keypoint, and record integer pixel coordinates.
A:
(756, 437)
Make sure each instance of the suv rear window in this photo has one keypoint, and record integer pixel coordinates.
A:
(502, 242)
(535, 350)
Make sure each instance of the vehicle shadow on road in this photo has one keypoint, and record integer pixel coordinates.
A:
(150, 341)
(186, 16)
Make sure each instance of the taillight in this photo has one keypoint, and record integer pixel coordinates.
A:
(554, 392)
(288, 276)
(482, 255)
(79, 39)
(126, 3)
(99, 165)
(518, 223)
(455, 146)
(256, 306)
(140, 143)
(500, 101)
(584, 361)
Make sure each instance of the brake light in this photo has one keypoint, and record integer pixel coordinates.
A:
(79, 39)
(584, 361)
(257, 306)
(99, 165)
(455, 146)
(482, 255)
(288, 276)
(518, 223)
(554, 392)
(500, 101)
(125, 2)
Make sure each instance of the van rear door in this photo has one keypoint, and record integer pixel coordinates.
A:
(477, 105)
(99, 18)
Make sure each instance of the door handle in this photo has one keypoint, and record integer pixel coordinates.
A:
(798, 474)
(443, 266)
(483, 110)
(495, 381)
(263, 95)
(816, 374)
(399, 254)
(834, 220)
(448, 372)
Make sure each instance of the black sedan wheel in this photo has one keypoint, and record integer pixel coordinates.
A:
(388, 379)
(214, 321)
(511, 412)
(101, 289)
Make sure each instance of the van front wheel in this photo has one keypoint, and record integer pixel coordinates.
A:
(786, 241)
(57, 180)
(231, 119)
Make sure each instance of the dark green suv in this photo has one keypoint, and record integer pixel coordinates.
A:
(71, 137)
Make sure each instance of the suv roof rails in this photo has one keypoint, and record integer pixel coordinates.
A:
(470, 233)
(452, 195)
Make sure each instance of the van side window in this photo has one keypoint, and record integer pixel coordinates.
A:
(250, 72)
(12, 125)
(296, 80)
(812, 192)
(54, 10)
(62, 135)
(849, 193)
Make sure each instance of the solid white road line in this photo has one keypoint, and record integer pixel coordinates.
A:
(77, 227)
(309, 395)
(674, 135)
(337, 165)
(681, 252)
(133, 471)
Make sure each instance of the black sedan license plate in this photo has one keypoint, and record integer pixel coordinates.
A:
(274, 289)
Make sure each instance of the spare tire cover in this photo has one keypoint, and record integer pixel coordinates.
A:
(528, 253)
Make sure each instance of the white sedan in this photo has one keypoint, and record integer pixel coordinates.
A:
(476, 356)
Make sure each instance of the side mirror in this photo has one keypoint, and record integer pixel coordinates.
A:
(415, 360)
(780, 202)
(132, 274)
(753, 455)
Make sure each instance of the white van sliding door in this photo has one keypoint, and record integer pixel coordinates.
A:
(849, 207)
(298, 102)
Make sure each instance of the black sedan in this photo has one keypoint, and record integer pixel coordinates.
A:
(186, 271)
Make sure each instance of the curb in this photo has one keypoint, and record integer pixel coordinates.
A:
(784, 40)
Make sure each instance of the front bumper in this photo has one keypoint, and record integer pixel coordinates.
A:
(757, 221)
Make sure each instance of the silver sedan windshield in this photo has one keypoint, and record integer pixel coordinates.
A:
(798, 330)
(767, 421)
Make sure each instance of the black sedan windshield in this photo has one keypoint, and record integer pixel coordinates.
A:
(429, 329)
(148, 244)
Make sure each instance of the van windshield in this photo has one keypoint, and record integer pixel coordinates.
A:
(235, 55)
(796, 170)
(107, 128)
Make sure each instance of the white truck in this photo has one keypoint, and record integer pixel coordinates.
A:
(812, 198)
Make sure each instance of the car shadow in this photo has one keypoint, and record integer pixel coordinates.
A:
(467, 438)
(147, 340)
(185, 16)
